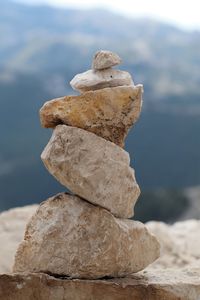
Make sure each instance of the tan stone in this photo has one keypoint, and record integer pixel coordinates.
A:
(151, 285)
(104, 59)
(108, 113)
(180, 244)
(93, 168)
(69, 236)
(94, 80)
(12, 225)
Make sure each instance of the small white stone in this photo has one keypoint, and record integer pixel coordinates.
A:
(108, 112)
(94, 80)
(105, 59)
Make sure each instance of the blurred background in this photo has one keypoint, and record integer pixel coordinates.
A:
(43, 44)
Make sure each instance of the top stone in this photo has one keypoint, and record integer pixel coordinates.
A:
(105, 59)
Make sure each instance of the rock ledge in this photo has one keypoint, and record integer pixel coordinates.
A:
(146, 285)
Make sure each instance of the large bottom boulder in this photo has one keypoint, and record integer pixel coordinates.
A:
(69, 236)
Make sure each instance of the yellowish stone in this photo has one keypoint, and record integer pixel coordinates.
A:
(108, 112)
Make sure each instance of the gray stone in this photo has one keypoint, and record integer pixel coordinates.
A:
(104, 59)
(69, 236)
(94, 80)
(93, 168)
(179, 242)
(158, 284)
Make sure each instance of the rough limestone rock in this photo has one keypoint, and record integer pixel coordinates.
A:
(179, 242)
(12, 225)
(180, 245)
(146, 285)
(109, 112)
(94, 80)
(69, 236)
(93, 168)
(105, 59)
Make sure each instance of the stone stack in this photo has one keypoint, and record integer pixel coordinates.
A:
(87, 234)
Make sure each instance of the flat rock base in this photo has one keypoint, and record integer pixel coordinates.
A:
(157, 284)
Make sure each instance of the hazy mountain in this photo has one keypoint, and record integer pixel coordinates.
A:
(43, 39)
(42, 48)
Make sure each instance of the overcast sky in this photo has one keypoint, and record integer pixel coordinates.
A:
(184, 13)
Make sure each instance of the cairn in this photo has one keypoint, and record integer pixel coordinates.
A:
(87, 234)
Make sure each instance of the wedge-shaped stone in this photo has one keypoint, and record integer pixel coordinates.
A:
(69, 236)
(94, 80)
(12, 225)
(93, 168)
(108, 113)
(104, 59)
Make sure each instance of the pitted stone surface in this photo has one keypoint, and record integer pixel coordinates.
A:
(104, 59)
(93, 168)
(179, 241)
(109, 112)
(69, 236)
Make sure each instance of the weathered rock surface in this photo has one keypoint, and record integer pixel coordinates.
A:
(94, 80)
(12, 225)
(180, 243)
(109, 112)
(146, 285)
(180, 246)
(92, 168)
(69, 236)
(105, 59)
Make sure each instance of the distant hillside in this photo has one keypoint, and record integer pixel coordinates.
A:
(43, 39)
(42, 48)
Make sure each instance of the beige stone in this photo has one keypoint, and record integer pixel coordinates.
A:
(69, 236)
(180, 245)
(93, 168)
(104, 59)
(109, 112)
(94, 80)
(147, 285)
(12, 225)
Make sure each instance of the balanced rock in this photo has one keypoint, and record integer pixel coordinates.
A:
(108, 112)
(94, 80)
(69, 236)
(105, 59)
(92, 168)
(180, 245)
